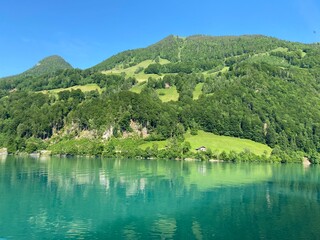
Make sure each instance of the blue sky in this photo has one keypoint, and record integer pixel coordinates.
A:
(87, 32)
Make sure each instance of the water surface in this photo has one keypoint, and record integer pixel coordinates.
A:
(81, 198)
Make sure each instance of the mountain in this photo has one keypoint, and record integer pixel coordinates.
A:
(253, 87)
(198, 49)
(47, 65)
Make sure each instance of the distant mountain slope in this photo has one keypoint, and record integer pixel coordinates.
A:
(168, 48)
(199, 49)
(48, 65)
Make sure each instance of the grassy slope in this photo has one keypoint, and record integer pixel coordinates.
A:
(137, 88)
(165, 95)
(130, 72)
(197, 91)
(83, 88)
(218, 143)
(168, 94)
(171, 94)
(224, 143)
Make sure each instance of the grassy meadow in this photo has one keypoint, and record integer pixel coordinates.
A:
(217, 143)
(134, 70)
(168, 94)
(83, 88)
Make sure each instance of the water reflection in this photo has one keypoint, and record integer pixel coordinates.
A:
(164, 228)
(196, 230)
(136, 199)
(3, 158)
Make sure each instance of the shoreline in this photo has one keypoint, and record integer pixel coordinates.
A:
(44, 154)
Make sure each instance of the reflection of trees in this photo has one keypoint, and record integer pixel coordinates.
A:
(168, 199)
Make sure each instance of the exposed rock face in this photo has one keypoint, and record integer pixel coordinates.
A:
(137, 130)
(45, 153)
(74, 129)
(108, 133)
(88, 134)
(3, 151)
(306, 162)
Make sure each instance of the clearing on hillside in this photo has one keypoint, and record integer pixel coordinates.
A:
(168, 94)
(165, 94)
(218, 143)
(136, 71)
(197, 91)
(83, 88)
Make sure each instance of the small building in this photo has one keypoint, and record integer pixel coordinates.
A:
(202, 148)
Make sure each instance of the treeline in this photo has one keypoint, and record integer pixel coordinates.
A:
(27, 115)
(176, 149)
(64, 79)
(182, 67)
(201, 52)
(167, 48)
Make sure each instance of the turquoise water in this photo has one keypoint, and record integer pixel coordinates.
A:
(80, 198)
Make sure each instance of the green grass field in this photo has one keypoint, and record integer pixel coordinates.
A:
(197, 91)
(165, 95)
(83, 88)
(168, 94)
(137, 88)
(217, 143)
(225, 143)
(131, 71)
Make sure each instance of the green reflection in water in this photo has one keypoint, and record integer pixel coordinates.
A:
(82, 198)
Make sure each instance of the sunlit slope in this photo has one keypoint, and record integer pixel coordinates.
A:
(218, 143)
(83, 88)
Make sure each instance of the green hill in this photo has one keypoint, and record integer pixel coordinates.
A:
(47, 65)
(44, 68)
(247, 87)
(167, 48)
(201, 52)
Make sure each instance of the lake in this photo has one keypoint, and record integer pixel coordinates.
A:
(85, 198)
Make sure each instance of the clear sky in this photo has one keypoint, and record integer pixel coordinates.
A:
(87, 32)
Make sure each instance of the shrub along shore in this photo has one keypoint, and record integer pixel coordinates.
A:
(175, 149)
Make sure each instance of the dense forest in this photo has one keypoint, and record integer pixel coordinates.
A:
(252, 87)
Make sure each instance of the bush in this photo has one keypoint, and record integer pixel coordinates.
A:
(34, 144)
(78, 147)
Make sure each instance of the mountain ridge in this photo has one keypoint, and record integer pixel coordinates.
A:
(121, 56)
(253, 87)
(46, 65)
(168, 48)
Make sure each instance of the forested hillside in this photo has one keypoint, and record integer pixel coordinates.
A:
(252, 87)
(46, 66)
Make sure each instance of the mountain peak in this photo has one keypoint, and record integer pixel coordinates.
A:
(47, 65)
